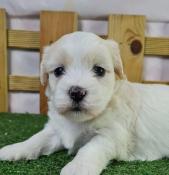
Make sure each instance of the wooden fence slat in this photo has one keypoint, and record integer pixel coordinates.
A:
(128, 29)
(3, 63)
(23, 39)
(156, 46)
(52, 26)
(155, 82)
(23, 83)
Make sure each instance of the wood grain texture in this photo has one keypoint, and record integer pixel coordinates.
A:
(125, 29)
(23, 39)
(156, 82)
(156, 46)
(24, 83)
(53, 25)
(3, 63)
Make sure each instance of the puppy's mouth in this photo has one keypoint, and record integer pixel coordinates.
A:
(74, 108)
(77, 108)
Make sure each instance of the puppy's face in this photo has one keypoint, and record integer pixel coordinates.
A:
(81, 74)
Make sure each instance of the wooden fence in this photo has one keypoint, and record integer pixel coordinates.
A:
(127, 30)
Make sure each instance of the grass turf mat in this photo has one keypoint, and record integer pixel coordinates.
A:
(18, 127)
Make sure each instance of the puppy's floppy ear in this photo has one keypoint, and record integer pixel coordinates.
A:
(43, 73)
(115, 52)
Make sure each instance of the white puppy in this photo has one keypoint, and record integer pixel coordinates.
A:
(92, 112)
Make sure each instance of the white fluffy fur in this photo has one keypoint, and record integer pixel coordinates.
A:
(130, 120)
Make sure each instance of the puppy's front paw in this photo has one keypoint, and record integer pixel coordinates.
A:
(78, 168)
(16, 151)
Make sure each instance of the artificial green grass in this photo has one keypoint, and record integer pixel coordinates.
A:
(18, 127)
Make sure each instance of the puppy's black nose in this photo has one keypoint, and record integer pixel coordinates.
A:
(77, 93)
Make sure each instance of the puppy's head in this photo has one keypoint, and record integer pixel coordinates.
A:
(81, 71)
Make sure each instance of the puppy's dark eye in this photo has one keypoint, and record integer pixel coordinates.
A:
(59, 71)
(99, 71)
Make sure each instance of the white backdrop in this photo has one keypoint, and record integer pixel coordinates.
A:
(24, 14)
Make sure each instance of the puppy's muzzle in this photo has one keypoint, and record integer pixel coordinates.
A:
(77, 94)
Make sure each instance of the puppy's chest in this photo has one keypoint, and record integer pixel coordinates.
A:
(77, 136)
(83, 137)
(82, 140)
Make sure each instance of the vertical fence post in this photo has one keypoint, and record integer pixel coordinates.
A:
(3, 63)
(128, 31)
